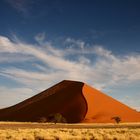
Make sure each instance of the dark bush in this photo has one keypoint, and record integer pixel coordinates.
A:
(56, 118)
(117, 119)
(42, 120)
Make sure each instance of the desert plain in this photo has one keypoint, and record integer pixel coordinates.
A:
(51, 131)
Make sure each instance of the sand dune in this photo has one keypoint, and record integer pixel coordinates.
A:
(66, 98)
(101, 108)
(76, 101)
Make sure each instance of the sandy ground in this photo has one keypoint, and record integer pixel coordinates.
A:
(29, 125)
(45, 131)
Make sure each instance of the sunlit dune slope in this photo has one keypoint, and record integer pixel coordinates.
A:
(101, 108)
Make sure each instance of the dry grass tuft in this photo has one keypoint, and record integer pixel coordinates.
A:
(9, 132)
(71, 134)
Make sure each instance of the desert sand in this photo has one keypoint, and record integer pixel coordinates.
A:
(101, 108)
(76, 101)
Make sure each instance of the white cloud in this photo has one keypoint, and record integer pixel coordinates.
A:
(40, 37)
(75, 43)
(16, 95)
(57, 64)
(6, 45)
(15, 58)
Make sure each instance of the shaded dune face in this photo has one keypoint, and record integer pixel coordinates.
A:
(101, 108)
(66, 98)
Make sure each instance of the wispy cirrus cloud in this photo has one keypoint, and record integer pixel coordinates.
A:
(107, 65)
(40, 37)
(15, 58)
(49, 65)
(22, 6)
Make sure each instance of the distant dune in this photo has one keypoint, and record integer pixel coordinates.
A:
(76, 101)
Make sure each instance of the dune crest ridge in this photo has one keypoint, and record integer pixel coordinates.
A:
(75, 100)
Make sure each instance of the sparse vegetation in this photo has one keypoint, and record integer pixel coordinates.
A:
(56, 118)
(42, 120)
(117, 119)
(76, 134)
(50, 131)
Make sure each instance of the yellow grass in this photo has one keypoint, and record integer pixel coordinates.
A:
(69, 133)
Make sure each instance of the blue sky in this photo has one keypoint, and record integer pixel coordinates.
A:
(45, 41)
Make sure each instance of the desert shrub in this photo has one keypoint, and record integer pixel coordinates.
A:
(117, 119)
(56, 118)
(42, 120)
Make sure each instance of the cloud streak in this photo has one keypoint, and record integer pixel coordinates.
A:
(49, 65)
(22, 6)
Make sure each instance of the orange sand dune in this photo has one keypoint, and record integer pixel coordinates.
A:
(76, 101)
(101, 108)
